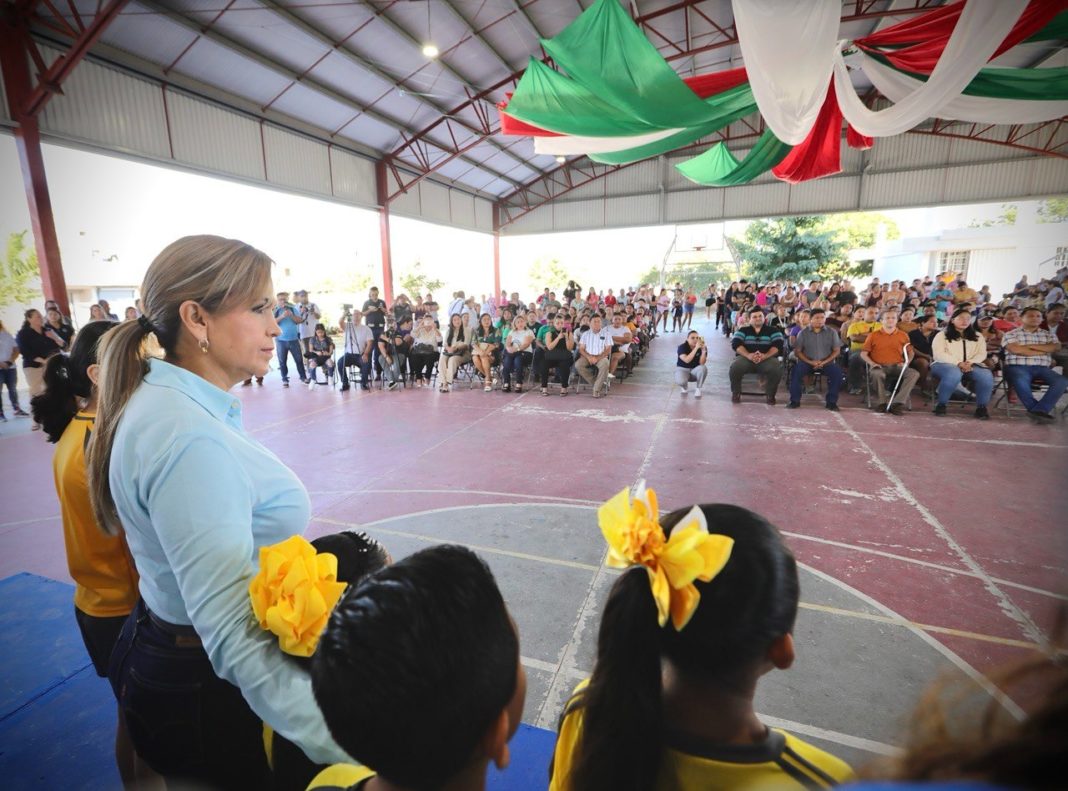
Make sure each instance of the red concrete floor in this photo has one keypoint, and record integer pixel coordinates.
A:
(953, 525)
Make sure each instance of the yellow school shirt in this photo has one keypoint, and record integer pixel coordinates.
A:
(782, 761)
(861, 326)
(104, 575)
(341, 776)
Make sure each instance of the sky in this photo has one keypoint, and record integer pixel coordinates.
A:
(113, 215)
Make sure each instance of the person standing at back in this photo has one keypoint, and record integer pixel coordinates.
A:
(9, 373)
(288, 342)
(309, 317)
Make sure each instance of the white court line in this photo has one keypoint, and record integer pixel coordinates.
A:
(845, 739)
(546, 497)
(30, 521)
(1028, 626)
(927, 563)
(565, 672)
(661, 422)
(985, 683)
(374, 526)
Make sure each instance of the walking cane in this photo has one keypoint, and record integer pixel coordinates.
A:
(900, 376)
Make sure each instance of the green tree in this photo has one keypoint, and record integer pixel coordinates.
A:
(1053, 210)
(789, 248)
(547, 273)
(416, 281)
(19, 273)
(858, 230)
(1007, 217)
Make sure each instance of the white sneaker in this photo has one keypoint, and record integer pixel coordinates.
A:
(487, 389)
(682, 390)
(611, 376)
(697, 392)
(311, 384)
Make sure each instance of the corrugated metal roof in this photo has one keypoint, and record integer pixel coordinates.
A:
(354, 71)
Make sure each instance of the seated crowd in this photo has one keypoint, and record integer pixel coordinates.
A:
(496, 343)
(939, 335)
(242, 656)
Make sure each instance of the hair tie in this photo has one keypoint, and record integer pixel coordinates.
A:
(146, 325)
(294, 593)
(635, 538)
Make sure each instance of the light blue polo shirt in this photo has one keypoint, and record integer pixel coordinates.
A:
(198, 497)
(290, 329)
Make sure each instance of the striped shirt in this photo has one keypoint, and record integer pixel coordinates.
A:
(753, 341)
(595, 341)
(1025, 338)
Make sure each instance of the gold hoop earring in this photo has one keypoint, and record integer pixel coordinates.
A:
(204, 345)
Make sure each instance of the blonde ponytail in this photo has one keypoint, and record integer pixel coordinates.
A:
(216, 273)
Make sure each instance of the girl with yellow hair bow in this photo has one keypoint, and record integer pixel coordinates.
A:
(704, 609)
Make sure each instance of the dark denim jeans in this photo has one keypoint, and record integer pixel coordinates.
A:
(285, 348)
(9, 378)
(185, 722)
(1021, 378)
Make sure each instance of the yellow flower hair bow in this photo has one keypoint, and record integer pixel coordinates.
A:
(631, 526)
(294, 593)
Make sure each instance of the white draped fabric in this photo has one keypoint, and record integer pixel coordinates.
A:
(895, 86)
(982, 26)
(788, 47)
(573, 145)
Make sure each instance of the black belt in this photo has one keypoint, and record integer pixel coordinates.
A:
(184, 636)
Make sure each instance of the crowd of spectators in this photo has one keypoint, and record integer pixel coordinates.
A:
(935, 333)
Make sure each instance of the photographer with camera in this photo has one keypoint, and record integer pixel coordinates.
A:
(691, 363)
(288, 342)
(309, 319)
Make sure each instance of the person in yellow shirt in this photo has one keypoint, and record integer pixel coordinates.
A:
(962, 294)
(418, 676)
(105, 580)
(857, 334)
(669, 706)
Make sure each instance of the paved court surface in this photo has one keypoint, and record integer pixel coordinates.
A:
(928, 545)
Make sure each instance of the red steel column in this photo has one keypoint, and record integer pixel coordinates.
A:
(19, 87)
(383, 229)
(496, 251)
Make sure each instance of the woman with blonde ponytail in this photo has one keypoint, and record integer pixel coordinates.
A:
(171, 465)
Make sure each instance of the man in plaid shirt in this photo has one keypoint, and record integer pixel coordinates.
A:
(1028, 356)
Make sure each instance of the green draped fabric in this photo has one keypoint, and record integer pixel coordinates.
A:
(554, 102)
(718, 167)
(733, 108)
(1057, 28)
(994, 83)
(609, 55)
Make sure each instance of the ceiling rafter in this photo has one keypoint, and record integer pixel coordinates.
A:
(728, 35)
(287, 73)
(363, 63)
(471, 30)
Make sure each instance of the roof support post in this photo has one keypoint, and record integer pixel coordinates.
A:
(496, 250)
(382, 186)
(14, 44)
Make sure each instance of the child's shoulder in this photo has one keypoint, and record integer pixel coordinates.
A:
(339, 777)
(815, 762)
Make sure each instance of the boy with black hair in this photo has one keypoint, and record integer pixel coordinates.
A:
(418, 676)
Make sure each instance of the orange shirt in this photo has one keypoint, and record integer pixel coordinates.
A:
(104, 575)
(885, 347)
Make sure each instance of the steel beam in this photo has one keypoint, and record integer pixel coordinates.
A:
(382, 188)
(338, 46)
(496, 250)
(26, 98)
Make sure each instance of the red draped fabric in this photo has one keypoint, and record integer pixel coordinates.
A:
(927, 34)
(858, 141)
(819, 154)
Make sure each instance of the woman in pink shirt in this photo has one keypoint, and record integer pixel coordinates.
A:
(592, 299)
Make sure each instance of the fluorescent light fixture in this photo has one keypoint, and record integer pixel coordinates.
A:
(561, 160)
(430, 51)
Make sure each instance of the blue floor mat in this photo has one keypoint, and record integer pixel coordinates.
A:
(57, 718)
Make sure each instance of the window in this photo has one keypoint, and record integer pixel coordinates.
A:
(1061, 259)
(955, 261)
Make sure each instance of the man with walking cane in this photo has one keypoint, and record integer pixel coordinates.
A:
(887, 353)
